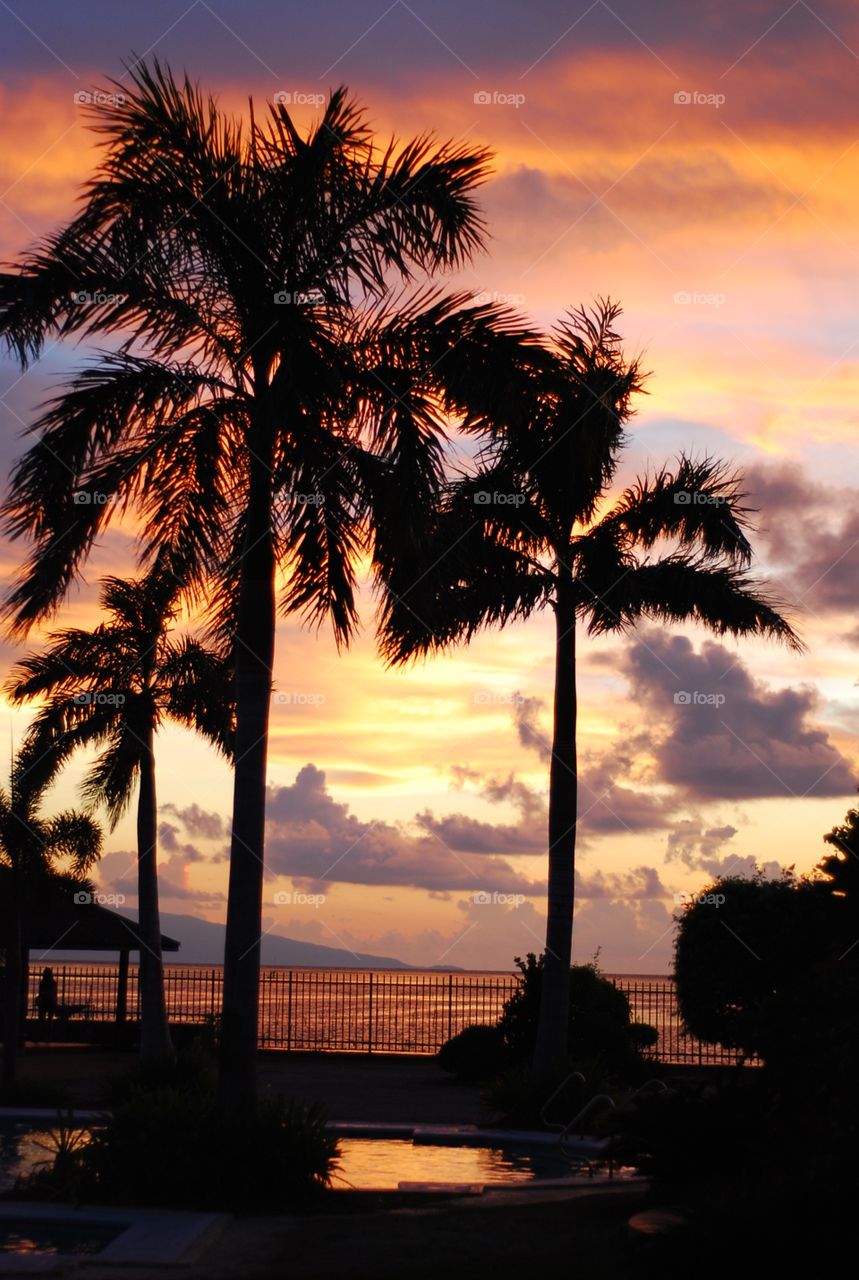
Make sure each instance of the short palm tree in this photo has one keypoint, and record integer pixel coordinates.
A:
(111, 688)
(530, 530)
(271, 399)
(34, 850)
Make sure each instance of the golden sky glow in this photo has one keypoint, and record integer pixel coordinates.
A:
(729, 232)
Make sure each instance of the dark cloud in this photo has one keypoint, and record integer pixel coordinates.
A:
(469, 835)
(722, 734)
(526, 717)
(313, 837)
(204, 823)
(811, 533)
(637, 883)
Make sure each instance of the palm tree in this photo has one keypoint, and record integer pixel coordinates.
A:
(530, 530)
(111, 688)
(33, 851)
(274, 398)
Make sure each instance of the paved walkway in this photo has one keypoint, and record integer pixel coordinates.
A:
(351, 1086)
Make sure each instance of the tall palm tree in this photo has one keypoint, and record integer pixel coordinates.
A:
(530, 530)
(33, 850)
(269, 396)
(111, 688)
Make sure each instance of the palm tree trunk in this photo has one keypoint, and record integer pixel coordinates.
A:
(553, 1020)
(154, 1027)
(254, 656)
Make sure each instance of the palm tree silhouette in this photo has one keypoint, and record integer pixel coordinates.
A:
(530, 530)
(274, 400)
(111, 688)
(34, 849)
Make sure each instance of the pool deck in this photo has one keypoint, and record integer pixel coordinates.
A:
(351, 1087)
(148, 1237)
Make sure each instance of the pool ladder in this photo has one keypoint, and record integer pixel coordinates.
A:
(574, 1133)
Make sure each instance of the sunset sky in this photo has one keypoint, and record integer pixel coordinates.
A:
(698, 163)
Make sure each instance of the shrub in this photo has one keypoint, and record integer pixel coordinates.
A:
(165, 1147)
(599, 1028)
(474, 1054)
(191, 1071)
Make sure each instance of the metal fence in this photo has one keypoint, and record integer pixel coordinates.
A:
(363, 1011)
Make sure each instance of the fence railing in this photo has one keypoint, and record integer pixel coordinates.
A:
(365, 1011)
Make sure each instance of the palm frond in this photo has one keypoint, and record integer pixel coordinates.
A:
(679, 588)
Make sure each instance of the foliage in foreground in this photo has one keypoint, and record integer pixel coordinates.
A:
(606, 1047)
(171, 1147)
(601, 1031)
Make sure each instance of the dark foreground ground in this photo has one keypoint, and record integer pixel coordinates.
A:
(350, 1086)
(477, 1238)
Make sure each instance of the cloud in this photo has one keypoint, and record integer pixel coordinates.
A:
(204, 823)
(311, 836)
(723, 734)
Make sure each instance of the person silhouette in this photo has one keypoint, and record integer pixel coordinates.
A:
(46, 1001)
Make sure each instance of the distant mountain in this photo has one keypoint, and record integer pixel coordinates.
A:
(203, 943)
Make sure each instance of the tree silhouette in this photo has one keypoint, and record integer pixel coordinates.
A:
(529, 530)
(33, 850)
(111, 688)
(274, 403)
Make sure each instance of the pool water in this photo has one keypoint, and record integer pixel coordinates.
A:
(385, 1163)
(21, 1150)
(40, 1237)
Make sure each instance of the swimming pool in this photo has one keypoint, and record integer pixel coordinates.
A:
(401, 1163)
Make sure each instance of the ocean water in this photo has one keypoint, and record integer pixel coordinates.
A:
(360, 1010)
